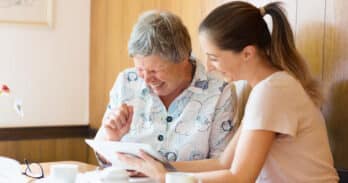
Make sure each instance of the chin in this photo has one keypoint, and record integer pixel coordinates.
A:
(160, 92)
(228, 79)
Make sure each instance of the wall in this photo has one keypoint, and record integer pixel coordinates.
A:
(320, 32)
(48, 68)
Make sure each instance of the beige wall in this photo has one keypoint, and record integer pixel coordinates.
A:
(47, 68)
(319, 26)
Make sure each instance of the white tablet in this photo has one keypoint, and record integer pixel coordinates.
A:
(108, 150)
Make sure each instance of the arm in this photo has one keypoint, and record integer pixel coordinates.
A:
(251, 152)
(223, 162)
(116, 123)
(113, 122)
(114, 126)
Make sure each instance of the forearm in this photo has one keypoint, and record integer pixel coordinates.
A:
(198, 165)
(221, 176)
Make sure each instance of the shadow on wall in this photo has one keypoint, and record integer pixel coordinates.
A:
(335, 79)
(336, 115)
(333, 73)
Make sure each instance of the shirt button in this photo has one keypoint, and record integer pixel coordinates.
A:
(169, 119)
(160, 137)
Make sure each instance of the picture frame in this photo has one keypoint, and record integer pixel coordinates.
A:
(38, 12)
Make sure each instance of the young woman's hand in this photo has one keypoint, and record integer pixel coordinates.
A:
(145, 164)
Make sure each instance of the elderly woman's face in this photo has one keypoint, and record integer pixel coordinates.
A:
(163, 77)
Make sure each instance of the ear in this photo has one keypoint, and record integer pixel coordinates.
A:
(248, 52)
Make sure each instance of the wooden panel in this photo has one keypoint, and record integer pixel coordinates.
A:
(190, 16)
(45, 132)
(97, 64)
(310, 33)
(45, 150)
(335, 77)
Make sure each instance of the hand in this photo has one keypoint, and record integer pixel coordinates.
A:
(117, 122)
(102, 161)
(145, 164)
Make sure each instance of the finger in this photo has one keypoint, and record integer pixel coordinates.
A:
(130, 160)
(145, 156)
(130, 114)
(118, 123)
(121, 117)
(132, 173)
(139, 174)
(110, 125)
(124, 109)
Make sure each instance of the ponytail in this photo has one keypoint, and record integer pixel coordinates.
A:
(284, 55)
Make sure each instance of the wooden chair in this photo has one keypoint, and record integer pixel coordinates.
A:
(343, 174)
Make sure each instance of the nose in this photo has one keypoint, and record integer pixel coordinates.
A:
(147, 77)
(209, 66)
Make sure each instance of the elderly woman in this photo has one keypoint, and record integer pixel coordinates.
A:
(168, 100)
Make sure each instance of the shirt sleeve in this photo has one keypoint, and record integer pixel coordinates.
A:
(222, 125)
(116, 92)
(272, 108)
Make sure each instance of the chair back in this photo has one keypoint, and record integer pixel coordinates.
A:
(343, 174)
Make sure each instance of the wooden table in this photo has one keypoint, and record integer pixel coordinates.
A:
(83, 167)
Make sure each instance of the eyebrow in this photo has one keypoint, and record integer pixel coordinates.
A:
(212, 55)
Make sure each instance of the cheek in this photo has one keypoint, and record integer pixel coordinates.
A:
(219, 66)
(140, 74)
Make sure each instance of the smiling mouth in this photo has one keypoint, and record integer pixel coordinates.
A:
(157, 85)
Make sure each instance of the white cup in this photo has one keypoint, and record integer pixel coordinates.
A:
(63, 173)
(176, 177)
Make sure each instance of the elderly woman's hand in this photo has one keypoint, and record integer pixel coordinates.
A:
(117, 122)
(145, 164)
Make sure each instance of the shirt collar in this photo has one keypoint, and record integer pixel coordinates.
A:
(200, 80)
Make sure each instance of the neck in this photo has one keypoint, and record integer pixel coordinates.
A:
(261, 70)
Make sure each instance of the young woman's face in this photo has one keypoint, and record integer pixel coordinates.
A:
(226, 63)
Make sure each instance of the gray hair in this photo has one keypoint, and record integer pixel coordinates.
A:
(160, 33)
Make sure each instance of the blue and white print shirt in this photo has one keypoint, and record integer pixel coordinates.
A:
(197, 125)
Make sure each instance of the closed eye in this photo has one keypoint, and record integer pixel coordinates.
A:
(212, 57)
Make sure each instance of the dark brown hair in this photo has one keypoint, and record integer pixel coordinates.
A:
(235, 25)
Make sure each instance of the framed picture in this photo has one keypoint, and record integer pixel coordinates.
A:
(26, 12)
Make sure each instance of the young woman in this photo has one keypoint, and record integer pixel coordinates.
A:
(283, 136)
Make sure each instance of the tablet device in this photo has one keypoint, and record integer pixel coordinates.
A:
(108, 150)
